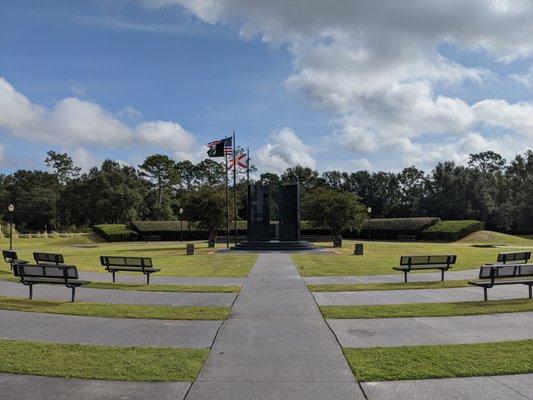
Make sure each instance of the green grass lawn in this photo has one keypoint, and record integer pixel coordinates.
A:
(84, 252)
(442, 361)
(427, 309)
(380, 257)
(360, 287)
(166, 288)
(116, 310)
(101, 362)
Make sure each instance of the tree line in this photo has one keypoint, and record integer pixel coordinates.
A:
(487, 188)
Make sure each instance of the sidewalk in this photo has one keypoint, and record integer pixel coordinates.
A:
(275, 345)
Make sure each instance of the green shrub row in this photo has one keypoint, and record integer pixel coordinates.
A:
(390, 228)
(452, 230)
(115, 232)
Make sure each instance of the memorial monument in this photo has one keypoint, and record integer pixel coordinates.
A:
(261, 234)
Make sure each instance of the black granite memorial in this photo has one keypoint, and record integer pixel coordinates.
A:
(259, 231)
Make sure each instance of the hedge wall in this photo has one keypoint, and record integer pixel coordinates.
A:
(115, 232)
(452, 230)
(390, 228)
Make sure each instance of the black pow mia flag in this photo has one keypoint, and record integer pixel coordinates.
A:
(220, 148)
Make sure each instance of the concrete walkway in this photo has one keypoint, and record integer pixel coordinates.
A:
(435, 330)
(511, 387)
(28, 387)
(376, 297)
(392, 278)
(61, 293)
(106, 331)
(275, 345)
(156, 279)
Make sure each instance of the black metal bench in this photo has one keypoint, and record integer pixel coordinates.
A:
(406, 238)
(492, 275)
(410, 263)
(49, 274)
(48, 258)
(11, 258)
(513, 258)
(114, 264)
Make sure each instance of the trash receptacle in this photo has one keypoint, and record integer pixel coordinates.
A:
(358, 250)
(337, 241)
(190, 249)
(211, 243)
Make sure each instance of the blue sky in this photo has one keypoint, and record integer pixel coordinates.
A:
(168, 76)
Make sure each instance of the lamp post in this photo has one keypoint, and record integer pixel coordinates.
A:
(369, 211)
(11, 209)
(181, 224)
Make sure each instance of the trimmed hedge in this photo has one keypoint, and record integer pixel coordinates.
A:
(452, 230)
(390, 228)
(115, 232)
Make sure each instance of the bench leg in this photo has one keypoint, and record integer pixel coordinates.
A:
(405, 276)
(147, 279)
(73, 294)
(485, 293)
(113, 276)
(31, 292)
(442, 275)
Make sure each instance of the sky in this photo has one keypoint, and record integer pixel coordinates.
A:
(343, 84)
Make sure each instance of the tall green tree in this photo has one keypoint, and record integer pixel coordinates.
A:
(206, 206)
(160, 170)
(335, 209)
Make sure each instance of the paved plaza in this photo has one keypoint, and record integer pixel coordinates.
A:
(275, 345)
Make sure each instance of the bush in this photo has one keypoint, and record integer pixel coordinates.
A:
(115, 232)
(390, 228)
(452, 230)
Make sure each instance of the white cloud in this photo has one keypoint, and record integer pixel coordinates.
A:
(73, 123)
(376, 65)
(517, 117)
(362, 164)
(284, 150)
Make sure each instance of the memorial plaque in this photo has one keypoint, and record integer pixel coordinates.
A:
(289, 213)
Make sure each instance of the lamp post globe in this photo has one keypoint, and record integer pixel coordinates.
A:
(369, 210)
(181, 224)
(11, 209)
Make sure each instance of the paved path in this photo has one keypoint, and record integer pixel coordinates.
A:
(393, 277)
(419, 295)
(275, 345)
(434, 330)
(156, 279)
(512, 387)
(28, 387)
(106, 331)
(60, 292)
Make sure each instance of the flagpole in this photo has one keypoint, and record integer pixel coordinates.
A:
(235, 188)
(247, 183)
(227, 201)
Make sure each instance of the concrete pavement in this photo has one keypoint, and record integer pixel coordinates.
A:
(106, 331)
(385, 332)
(275, 345)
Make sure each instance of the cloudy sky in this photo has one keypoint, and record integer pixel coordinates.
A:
(341, 84)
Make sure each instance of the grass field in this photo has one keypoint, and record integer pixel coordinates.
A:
(361, 287)
(380, 257)
(84, 252)
(427, 309)
(116, 310)
(442, 361)
(101, 362)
